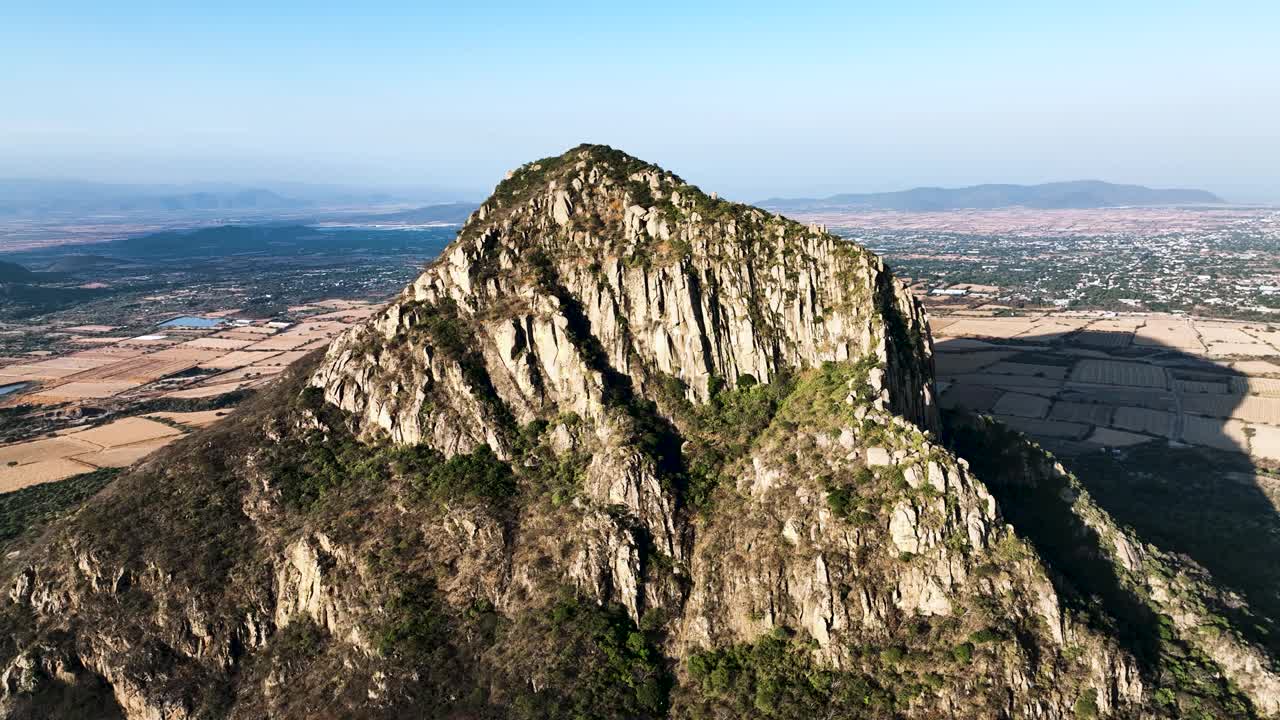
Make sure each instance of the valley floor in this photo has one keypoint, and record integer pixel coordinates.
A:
(117, 398)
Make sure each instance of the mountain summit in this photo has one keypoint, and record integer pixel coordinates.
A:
(624, 450)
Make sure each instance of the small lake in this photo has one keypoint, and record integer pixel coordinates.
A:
(192, 322)
(13, 388)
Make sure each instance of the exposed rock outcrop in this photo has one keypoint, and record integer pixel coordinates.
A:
(576, 280)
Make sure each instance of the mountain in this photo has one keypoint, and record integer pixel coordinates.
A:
(227, 240)
(453, 213)
(1059, 195)
(82, 263)
(624, 450)
(73, 197)
(24, 292)
(13, 272)
(62, 198)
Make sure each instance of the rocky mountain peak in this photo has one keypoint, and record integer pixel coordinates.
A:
(624, 450)
(593, 270)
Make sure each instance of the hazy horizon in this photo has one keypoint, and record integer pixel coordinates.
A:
(789, 102)
(441, 194)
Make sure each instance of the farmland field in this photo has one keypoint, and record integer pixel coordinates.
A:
(1265, 442)
(1166, 385)
(1046, 428)
(1150, 422)
(1021, 405)
(1089, 413)
(1269, 387)
(1105, 338)
(1107, 437)
(16, 478)
(251, 299)
(1114, 372)
(953, 363)
(1052, 372)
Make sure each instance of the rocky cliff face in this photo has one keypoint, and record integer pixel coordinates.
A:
(623, 450)
(594, 263)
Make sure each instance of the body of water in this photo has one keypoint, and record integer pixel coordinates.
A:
(13, 388)
(192, 322)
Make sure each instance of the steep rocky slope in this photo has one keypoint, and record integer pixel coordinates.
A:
(623, 450)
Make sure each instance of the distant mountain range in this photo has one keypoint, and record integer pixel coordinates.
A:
(40, 198)
(454, 213)
(13, 272)
(1057, 195)
(47, 197)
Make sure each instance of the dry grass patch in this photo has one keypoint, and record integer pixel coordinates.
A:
(216, 343)
(110, 352)
(350, 314)
(1052, 328)
(124, 455)
(38, 371)
(126, 432)
(1256, 367)
(1254, 409)
(143, 369)
(252, 372)
(16, 478)
(75, 361)
(1213, 333)
(197, 419)
(186, 352)
(1127, 324)
(1270, 337)
(206, 391)
(316, 344)
(238, 359)
(1175, 334)
(283, 359)
(88, 390)
(96, 340)
(44, 449)
(280, 342)
(1002, 328)
(1265, 442)
(1241, 349)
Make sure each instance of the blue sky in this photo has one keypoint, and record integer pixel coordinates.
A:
(748, 98)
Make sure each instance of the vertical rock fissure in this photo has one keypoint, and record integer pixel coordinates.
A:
(695, 303)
